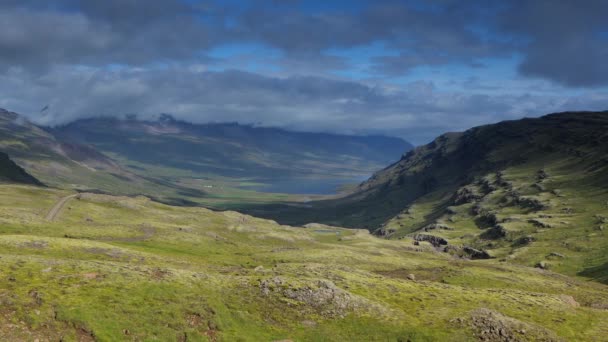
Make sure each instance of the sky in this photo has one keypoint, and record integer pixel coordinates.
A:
(413, 69)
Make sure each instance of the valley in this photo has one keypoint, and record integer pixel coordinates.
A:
(493, 234)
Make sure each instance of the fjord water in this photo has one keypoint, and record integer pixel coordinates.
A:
(308, 186)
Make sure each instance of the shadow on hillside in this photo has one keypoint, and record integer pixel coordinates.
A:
(598, 273)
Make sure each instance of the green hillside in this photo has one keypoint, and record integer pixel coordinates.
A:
(108, 268)
(532, 192)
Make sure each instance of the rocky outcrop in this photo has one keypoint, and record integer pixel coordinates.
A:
(496, 232)
(321, 296)
(476, 253)
(539, 223)
(436, 241)
(466, 195)
(493, 326)
(434, 226)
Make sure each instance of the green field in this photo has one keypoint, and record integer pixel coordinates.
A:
(118, 268)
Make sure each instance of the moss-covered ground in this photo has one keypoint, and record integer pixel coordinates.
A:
(119, 268)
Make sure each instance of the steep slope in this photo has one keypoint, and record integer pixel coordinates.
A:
(178, 150)
(532, 191)
(13, 173)
(71, 165)
(129, 269)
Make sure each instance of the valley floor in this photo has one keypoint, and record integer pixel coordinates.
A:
(105, 268)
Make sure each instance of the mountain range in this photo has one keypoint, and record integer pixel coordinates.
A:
(183, 163)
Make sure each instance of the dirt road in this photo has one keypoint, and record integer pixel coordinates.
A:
(58, 206)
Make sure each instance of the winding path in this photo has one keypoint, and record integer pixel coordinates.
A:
(58, 206)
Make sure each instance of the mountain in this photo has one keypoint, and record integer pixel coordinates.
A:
(216, 165)
(60, 164)
(13, 173)
(531, 191)
(177, 150)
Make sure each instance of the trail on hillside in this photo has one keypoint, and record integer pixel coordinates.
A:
(58, 206)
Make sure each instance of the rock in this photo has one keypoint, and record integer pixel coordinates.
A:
(433, 240)
(524, 240)
(531, 203)
(557, 255)
(542, 265)
(496, 232)
(476, 253)
(493, 326)
(434, 226)
(259, 269)
(542, 175)
(466, 195)
(411, 277)
(539, 223)
(384, 231)
(322, 296)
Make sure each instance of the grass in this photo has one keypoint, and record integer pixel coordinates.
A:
(122, 268)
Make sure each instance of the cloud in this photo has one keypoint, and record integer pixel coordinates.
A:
(34, 34)
(417, 111)
(566, 40)
(116, 57)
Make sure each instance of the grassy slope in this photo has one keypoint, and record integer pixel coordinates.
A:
(118, 268)
(421, 189)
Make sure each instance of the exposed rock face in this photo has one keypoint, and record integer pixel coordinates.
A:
(524, 240)
(493, 326)
(539, 223)
(322, 296)
(531, 203)
(384, 231)
(434, 226)
(436, 241)
(466, 195)
(476, 253)
(496, 232)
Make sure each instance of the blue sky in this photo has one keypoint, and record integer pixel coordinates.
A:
(409, 68)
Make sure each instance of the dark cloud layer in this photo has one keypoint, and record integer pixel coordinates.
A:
(112, 57)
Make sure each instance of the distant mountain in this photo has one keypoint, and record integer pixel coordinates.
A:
(170, 149)
(69, 165)
(534, 191)
(13, 173)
